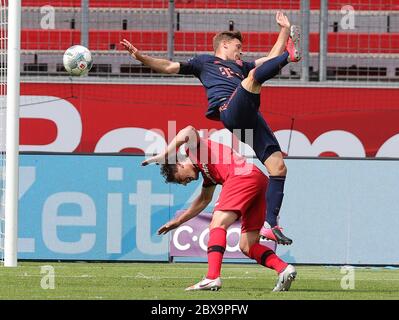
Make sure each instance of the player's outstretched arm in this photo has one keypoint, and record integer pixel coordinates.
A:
(196, 207)
(188, 135)
(279, 47)
(158, 65)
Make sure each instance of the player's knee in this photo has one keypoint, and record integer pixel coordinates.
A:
(250, 84)
(250, 81)
(219, 223)
(276, 167)
(281, 169)
(244, 249)
(216, 224)
(252, 74)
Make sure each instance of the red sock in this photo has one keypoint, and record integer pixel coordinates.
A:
(266, 257)
(216, 248)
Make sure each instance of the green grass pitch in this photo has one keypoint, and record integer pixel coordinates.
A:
(166, 281)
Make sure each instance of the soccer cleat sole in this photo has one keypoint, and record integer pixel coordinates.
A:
(295, 35)
(279, 239)
(283, 242)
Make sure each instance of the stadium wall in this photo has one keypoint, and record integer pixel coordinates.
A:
(108, 207)
(308, 120)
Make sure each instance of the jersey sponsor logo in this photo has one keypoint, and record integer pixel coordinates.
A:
(205, 170)
(227, 72)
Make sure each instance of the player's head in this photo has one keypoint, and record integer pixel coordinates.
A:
(182, 172)
(228, 45)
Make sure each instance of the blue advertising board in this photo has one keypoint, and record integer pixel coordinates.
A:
(92, 208)
(108, 207)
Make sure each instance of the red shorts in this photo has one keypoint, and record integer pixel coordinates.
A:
(245, 195)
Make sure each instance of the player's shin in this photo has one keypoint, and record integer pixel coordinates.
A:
(216, 248)
(270, 68)
(266, 257)
(274, 196)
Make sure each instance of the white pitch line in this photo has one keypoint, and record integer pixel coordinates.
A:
(56, 276)
(143, 276)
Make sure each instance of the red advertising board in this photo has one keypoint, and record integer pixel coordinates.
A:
(308, 121)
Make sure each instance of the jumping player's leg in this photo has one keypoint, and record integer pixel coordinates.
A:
(275, 61)
(268, 151)
(242, 113)
(275, 192)
(221, 221)
(250, 246)
(277, 172)
(274, 161)
(264, 72)
(287, 43)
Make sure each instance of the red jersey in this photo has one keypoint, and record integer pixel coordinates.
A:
(217, 162)
(244, 184)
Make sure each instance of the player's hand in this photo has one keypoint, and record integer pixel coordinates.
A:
(134, 52)
(173, 224)
(155, 159)
(282, 20)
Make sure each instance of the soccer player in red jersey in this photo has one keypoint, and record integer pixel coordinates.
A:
(242, 196)
(233, 88)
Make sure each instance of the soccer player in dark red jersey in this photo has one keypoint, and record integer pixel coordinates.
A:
(242, 196)
(233, 88)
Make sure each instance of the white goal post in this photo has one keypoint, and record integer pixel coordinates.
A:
(11, 37)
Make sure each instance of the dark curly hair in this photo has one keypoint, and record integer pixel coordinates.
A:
(168, 171)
